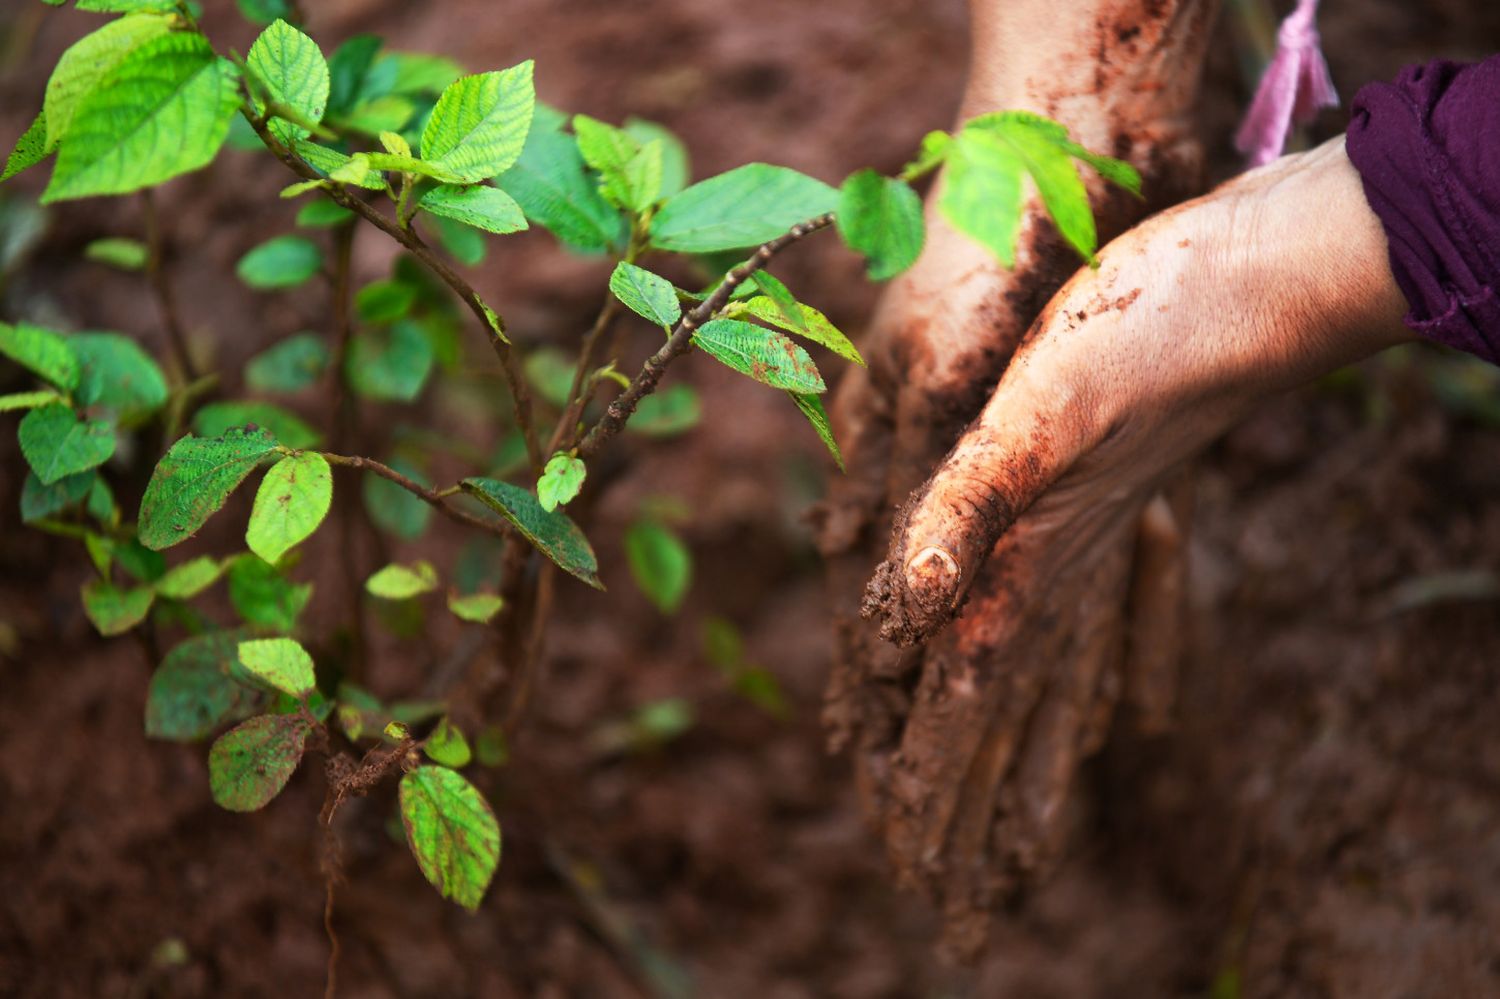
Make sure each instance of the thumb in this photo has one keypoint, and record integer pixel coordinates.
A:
(1029, 434)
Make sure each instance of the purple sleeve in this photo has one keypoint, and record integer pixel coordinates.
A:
(1427, 148)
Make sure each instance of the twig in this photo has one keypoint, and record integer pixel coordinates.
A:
(161, 286)
(620, 410)
(530, 667)
(567, 426)
(435, 498)
(408, 238)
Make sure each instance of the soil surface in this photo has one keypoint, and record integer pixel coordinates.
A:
(1320, 822)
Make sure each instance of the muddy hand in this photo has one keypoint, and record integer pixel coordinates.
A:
(1121, 74)
(1191, 319)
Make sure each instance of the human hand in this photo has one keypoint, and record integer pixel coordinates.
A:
(1024, 530)
(1121, 75)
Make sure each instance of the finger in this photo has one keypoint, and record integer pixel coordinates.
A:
(965, 722)
(1028, 435)
(1084, 655)
(1157, 607)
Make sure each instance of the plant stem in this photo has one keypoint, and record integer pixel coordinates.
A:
(644, 383)
(408, 238)
(161, 286)
(566, 433)
(433, 497)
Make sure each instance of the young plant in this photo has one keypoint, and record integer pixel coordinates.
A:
(438, 162)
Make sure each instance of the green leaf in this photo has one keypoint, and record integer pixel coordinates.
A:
(293, 364)
(1115, 171)
(463, 242)
(675, 171)
(630, 173)
(402, 582)
(384, 301)
(47, 354)
(552, 188)
(481, 206)
(881, 217)
(114, 611)
(264, 11)
(322, 213)
(289, 430)
(279, 663)
(390, 365)
(291, 68)
(764, 355)
(57, 443)
(348, 68)
(40, 501)
(417, 72)
(982, 197)
(447, 745)
(291, 502)
(31, 148)
(336, 166)
(395, 163)
(193, 691)
(478, 128)
(251, 763)
(560, 482)
(812, 408)
(126, 6)
(556, 536)
(28, 400)
(451, 831)
(116, 374)
(194, 479)
(490, 747)
(815, 326)
(1039, 145)
(660, 563)
(263, 596)
(101, 503)
(393, 509)
(648, 295)
(476, 607)
(87, 62)
(186, 581)
(550, 372)
(138, 560)
(161, 112)
(667, 412)
(745, 207)
(122, 254)
(784, 302)
(281, 262)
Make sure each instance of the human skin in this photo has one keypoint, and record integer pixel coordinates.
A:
(1190, 320)
(965, 746)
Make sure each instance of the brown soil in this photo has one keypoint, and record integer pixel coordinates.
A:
(1320, 822)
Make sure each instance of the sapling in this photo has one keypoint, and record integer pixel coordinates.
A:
(438, 162)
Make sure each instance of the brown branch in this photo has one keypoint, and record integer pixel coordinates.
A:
(161, 287)
(414, 244)
(644, 383)
(433, 497)
(567, 426)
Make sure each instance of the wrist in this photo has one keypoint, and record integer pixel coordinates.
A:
(1342, 251)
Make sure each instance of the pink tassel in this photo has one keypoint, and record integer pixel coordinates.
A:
(1295, 85)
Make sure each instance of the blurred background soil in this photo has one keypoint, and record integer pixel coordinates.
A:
(1324, 820)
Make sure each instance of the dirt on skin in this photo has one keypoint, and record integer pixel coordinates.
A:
(1320, 821)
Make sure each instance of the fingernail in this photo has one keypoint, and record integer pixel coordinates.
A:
(933, 569)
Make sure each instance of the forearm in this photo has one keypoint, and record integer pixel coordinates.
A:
(1114, 71)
